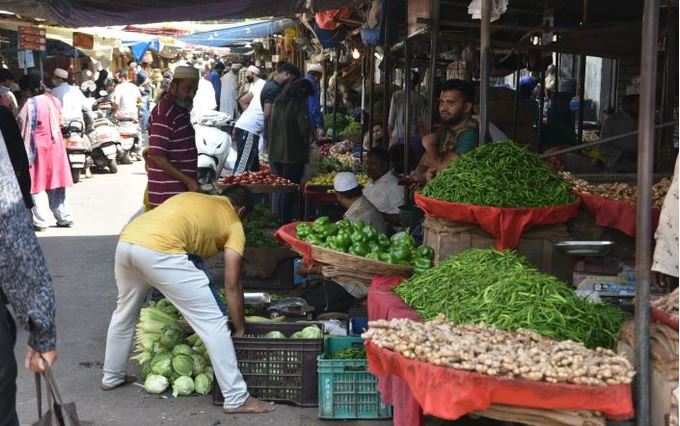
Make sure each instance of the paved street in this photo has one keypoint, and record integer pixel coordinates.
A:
(81, 263)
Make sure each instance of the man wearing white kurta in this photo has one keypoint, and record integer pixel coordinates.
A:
(229, 95)
(666, 250)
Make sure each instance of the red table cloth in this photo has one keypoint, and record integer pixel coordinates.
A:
(506, 225)
(615, 214)
(414, 386)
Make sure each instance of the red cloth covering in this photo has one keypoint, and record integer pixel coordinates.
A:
(615, 214)
(328, 19)
(506, 225)
(383, 304)
(450, 394)
(288, 235)
(662, 317)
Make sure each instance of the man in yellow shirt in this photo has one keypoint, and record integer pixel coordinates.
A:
(154, 251)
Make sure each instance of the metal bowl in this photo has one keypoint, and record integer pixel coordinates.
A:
(585, 248)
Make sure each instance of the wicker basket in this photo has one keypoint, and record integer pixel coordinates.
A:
(365, 265)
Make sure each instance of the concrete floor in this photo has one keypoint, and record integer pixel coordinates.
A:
(81, 262)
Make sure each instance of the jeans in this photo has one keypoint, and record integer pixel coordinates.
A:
(8, 368)
(286, 204)
(137, 270)
(53, 200)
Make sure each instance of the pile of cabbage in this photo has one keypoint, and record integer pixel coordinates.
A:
(169, 354)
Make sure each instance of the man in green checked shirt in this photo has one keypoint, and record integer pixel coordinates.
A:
(457, 135)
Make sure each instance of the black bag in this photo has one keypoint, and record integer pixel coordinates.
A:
(58, 413)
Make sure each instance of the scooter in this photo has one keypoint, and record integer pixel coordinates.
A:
(130, 138)
(214, 146)
(105, 144)
(78, 148)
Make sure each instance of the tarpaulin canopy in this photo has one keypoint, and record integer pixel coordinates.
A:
(125, 12)
(238, 34)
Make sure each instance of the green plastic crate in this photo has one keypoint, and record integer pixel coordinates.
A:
(346, 389)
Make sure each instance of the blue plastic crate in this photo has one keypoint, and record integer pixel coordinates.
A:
(346, 389)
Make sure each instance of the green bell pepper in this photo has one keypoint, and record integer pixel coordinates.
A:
(303, 230)
(321, 223)
(384, 241)
(370, 232)
(358, 236)
(359, 249)
(400, 253)
(344, 224)
(385, 256)
(403, 239)
(425, 251)
(343, 238)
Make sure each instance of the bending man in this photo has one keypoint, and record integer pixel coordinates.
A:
(154, 251)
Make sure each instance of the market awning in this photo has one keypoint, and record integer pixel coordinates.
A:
(238, 34)
(125, 12)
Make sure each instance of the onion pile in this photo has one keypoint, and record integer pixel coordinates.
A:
(521, 354)
(262, 177)
(617, 190)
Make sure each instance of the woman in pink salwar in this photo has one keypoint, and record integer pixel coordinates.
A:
(40, 123)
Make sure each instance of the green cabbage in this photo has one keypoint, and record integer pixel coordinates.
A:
(143, 357)
(184, 385)
(193, 340)
(171, 336)
(200, 363)
(209, 371)
(183, 364)
(182, 349)
(275, 335)
(162, 364)
(203, 384)
(155, 383)
(146, 370)
(311, 332)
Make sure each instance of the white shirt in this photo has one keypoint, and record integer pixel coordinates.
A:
(666, 250)
(125, 95)
(73, 102)
(204, 100)
(252, 119)
(229, 95)
(364, 211)
(398, 110)
(385, 194)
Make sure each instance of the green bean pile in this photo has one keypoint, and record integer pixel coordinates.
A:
(500, 175)
(501, 289)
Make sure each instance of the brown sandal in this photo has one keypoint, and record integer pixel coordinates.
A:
(267, 407)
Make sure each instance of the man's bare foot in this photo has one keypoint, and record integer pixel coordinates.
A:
(252, 406)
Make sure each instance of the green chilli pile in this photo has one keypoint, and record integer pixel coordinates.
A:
(501, 289)
(500, 175)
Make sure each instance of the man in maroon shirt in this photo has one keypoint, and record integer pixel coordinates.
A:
(172, 148)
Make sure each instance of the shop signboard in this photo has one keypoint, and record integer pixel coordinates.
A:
(83, 41)
(32, 38)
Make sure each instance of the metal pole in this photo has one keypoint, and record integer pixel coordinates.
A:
(387, 68)
(541, 106)
(408, 83)
(643, 237)
(603, 141)
(371, 91)
(434, 39)
(582, 80)
(484, 49)
(515, 112)
(335, 98)
(325, 87)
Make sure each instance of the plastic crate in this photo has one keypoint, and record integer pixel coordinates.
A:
(281, 370)
(346, 389)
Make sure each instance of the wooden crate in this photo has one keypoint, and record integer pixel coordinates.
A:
(537, 244)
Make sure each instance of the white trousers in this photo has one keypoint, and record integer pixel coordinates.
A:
(53, 200)
(138, 269)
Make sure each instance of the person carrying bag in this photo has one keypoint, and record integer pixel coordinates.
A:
(58, 413)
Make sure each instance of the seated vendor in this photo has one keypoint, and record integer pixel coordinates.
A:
(384, 191)
(458, 133)
(359, 209)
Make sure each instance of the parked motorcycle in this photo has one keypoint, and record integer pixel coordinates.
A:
(130, 138)
(78, 148)
(105, 143)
